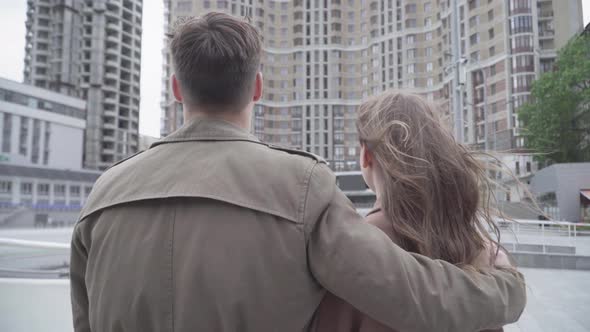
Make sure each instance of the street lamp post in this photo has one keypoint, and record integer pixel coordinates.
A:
(485, 111)
(458, 94)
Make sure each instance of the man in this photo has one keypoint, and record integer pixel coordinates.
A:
(213, 230)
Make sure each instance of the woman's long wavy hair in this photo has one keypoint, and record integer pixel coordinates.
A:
(435, 192)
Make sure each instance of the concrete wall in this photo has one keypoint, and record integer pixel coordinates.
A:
(65, 137)
(47, 304)
(566, 180)
(552, 261)
(65, 146)
(569, 15)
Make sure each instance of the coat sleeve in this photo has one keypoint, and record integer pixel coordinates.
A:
(78, 293)
(408, 292)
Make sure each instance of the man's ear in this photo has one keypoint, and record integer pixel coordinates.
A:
(366, 156)
(176, 88)
(257, 88)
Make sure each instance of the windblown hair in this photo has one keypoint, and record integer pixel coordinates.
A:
(436, 193)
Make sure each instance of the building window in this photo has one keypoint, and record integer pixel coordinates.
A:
(520, 6)
(59, 190)
(43, 189)
(494, 108)
(491, 15)
(429, 51)
(46, 143)
(410, 39)
(411, 68)
(75, 191)
(429, 67)
(411, 23)
(411, 8)
(5, 187)
(521, 24)
(24, 135)
(474, 39)
(474, 21)
(26, 188)
(184, 6)
(492, 51)
(36, 141)
(411, 53)
(473, 4)
(6, 133)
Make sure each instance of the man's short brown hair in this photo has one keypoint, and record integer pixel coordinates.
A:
(216, 58)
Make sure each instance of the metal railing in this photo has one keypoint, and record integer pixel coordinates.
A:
(549, 227)
(33, 250)
(545, 236)
(34, 244)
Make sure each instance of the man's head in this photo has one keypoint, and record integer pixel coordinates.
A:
(216, 63)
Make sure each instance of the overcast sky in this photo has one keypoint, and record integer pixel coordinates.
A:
(12, 37)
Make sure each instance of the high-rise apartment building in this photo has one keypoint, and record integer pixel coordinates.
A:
(507, 45)
(323, 57)
(91, 50)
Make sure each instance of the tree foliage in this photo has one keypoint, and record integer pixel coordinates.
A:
(557, 120)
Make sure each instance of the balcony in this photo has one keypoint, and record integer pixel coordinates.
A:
(112, 101)
(109, 125)
(113, 39)
(117, 3)
(521, 10)
(112, 51)
(113, 27)
(110, 113)
(112, 63)
(111, 75)
(546, 34)
(545, 15)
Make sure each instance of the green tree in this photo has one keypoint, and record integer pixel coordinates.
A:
(557, 120)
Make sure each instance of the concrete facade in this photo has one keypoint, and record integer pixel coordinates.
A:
(41, 150)
(24, 189)
(40, 128)
(91, 50)
(322, 58)
(558, 187)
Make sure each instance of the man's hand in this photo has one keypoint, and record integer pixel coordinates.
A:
(502, 259)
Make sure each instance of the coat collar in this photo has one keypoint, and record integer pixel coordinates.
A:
(376, 208)
(206, 129)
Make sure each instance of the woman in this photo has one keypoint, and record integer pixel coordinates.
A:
(429, 194)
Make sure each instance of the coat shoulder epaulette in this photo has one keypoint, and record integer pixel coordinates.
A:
(298, 152)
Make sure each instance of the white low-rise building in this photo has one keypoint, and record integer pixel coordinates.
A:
(41, 149)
